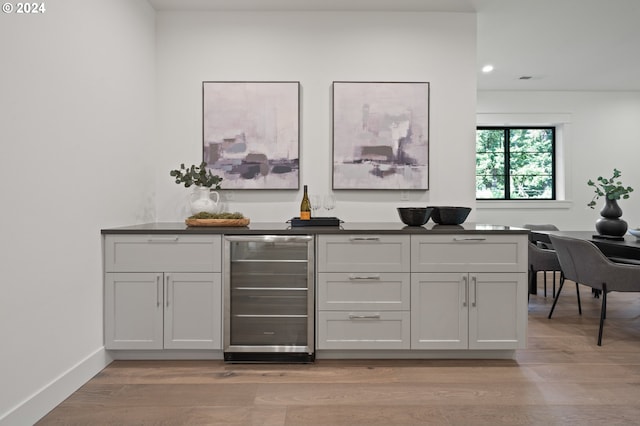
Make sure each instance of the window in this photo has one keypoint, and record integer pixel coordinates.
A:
(515, 163)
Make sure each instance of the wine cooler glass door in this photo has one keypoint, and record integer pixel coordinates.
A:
(269, 297)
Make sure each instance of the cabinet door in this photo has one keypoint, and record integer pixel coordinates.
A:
(133, 310)
(363, 330)
(497, 313)
(192, 311)
(439, 311)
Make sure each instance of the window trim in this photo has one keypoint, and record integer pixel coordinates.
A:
(507, 162)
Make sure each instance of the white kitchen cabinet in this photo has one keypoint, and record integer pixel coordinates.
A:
(151, 303)
(403, 294)
(133, 311)
(192, 314)
(468, 311)
(468, 291)
(162, 252)
(497, 319)
(162, 310)
(363, 253)
(339, 291)
(364, 292)
(469, 253)
(439, 311)
(363, 330)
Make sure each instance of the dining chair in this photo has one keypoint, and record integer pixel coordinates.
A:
(542, 258)
(582, 261)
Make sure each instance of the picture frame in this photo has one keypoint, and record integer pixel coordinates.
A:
(380, 135)
(251, 133)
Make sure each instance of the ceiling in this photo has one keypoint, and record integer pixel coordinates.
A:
(558, 44)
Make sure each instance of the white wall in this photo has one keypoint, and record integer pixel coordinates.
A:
(317, 48)
(601, 134)
(76, 132)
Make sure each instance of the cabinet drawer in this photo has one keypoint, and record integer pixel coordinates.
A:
(363, 330)
(363, 253)
(167, 253)
(469, 253)
(339, 291)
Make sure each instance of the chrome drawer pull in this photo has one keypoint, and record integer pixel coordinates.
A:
(364, 277)
(271, 288)
(163, 240)
(364, 239)
(470, 239)
(364, 317)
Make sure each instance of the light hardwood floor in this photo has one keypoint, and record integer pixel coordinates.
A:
(562, 378)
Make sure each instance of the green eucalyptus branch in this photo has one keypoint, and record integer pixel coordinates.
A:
(196, 175)
(611, 188)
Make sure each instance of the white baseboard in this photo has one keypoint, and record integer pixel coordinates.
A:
(41, 402)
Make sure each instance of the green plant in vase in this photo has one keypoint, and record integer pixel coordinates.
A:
(612, 190)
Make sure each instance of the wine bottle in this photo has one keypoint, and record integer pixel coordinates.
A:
(305, 206)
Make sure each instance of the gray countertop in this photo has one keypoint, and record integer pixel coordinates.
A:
(344, 228)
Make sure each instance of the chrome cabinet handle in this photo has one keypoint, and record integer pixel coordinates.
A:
(271, 288)
(163, 240)
(365, 317)
(469, 239)
(157, 290)
(475, 291)
(364, 277)
(364, 239)
(466, 291)
(166, 278)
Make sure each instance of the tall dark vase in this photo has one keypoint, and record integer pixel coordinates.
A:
(610, 224)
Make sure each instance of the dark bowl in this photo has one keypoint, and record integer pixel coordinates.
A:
(449, 215)
(414, 216)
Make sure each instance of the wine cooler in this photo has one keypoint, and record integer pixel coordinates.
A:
(269, 298)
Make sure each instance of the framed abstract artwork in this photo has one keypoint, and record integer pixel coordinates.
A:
(380, 135)
(251, 133)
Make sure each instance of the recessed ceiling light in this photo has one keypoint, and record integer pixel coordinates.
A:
(487, 68)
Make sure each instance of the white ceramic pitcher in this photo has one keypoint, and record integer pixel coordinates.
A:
(204, 200)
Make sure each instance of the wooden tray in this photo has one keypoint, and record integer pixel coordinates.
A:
(217, 222)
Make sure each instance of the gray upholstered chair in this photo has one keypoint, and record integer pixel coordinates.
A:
(542, 227)
(583, 262)
(542, 258)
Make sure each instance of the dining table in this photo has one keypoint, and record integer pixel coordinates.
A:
(625, 249)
